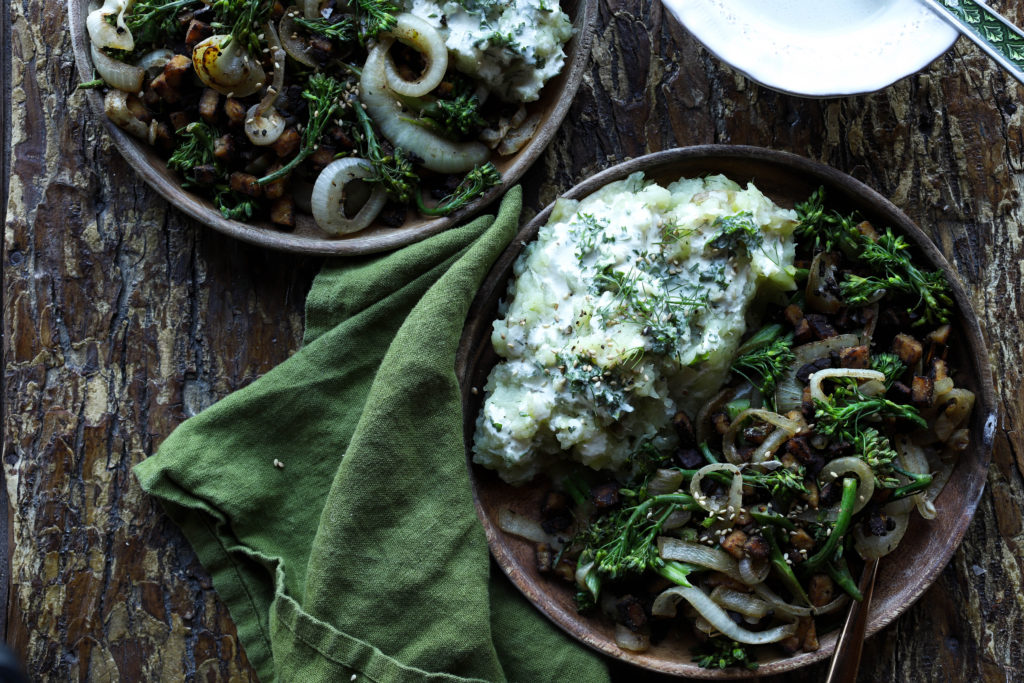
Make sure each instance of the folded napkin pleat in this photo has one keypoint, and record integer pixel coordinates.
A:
(330, 500)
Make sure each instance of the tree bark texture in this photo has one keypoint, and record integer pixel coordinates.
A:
(121, 318)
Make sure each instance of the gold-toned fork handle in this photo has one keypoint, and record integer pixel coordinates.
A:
(846, 659)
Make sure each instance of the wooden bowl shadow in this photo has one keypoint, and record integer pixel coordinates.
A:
(306, 238)
(903, 576)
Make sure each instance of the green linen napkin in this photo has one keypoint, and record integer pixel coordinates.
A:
(330, 501)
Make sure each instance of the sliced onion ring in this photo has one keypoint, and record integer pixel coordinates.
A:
(418, 34)
(744, 603)
(437, 153)
(115, 106)
(126, 77)
(296, 48)
(789, 394)
(224, 65)
(153, 63)
(765, 449)
(670, 548)
(103, 34)
(665, 606)
(851, 465)
(782, 607)
(328, 201)
(730, 507)
(631, 641)
(820, 376)
(753, 572)
(870, 546)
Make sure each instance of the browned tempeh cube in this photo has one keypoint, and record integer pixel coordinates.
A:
(287, 144)
(733, 544)
(793, 314)
(867, 230)
(282, 211)
(245, 183)
(208, 102)
(907, 348)
(855, 357)
(820, 590)
(275, 188)
(167, 92)
(224, 148)
(235, 111)
(205, 174)
(198, 31)
(176, 68)
(921, 391)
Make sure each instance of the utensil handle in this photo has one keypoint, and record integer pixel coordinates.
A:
(846, 660)
(1000, 39)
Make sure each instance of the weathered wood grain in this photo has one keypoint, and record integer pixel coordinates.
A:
(121, 318)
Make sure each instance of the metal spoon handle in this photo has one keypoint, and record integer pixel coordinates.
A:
(846, 660)
(1000, 39)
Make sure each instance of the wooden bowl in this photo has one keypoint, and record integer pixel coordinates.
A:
(903, 576)
(306, 238)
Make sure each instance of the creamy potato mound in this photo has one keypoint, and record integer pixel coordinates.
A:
(627, 307)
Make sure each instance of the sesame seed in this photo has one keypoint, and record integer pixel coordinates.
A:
(278, 464)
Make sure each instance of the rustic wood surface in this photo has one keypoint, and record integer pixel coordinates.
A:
(122, 318)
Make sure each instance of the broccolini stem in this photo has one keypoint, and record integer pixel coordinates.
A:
(846, 505)
(782, 567)
(839, 572)
(677, 572)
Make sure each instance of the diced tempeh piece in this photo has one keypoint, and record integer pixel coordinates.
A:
(275, 188)
(320, 158)
(865, 228)
(224, 148)
(757, 548)
(205, 174)
(939, 369)
(820, 325)
(208, 102)
(793, 314)
(178, 119)
(631, 613)
(802, 332)
(801, 540)
(287, 143)
(939, 335)
(235, 111)
(175, 70)
(733, 544)
(245, 183)
(167, 92)
(800, 447)
(198, 31)
(282, 212)
(684, 430)
(820, 589)
(810, 643)
(855, 357)
(907, 348)
(921, 391)
(605, 495)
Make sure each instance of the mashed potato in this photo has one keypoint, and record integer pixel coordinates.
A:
(627, 307)
(512, 46)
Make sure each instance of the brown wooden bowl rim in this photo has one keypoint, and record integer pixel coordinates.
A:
(971, 470)
(154, 171)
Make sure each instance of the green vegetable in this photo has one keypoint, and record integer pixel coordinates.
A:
(244, 20)
(888, 256)
(876, 450)
(846, 505)
(623, 541)
(736, 408)
(839, 571)
(195, 148)
(763, 358)
(323, 93)
(892, 268)
(234, 205)
(918, 482)
(722, 653)
(736, 231)
(476, 182)
(781, 479)
(375, 16)
(454, 118)
(890, 365)
(151, 21)
(394, 171)
(89, 85)
(782, 568)
(841, 415)
(342, 31)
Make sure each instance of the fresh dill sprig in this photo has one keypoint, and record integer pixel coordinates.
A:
(736, 231)
(888, 256)
(890, 365)
(476, 182)
(323, 94)
(764, 358)
(840, 416)
(151, 20)
(375, 17)
(342, 31)
(722, 653)
(393, 171)
(781, 479)
(195, 148)
(244, 19)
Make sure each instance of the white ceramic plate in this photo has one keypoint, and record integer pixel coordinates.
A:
(818, 48)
